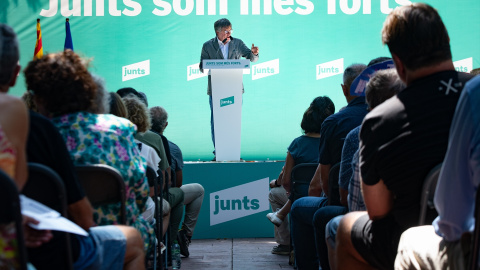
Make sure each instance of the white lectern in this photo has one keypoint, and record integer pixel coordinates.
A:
(227, 86)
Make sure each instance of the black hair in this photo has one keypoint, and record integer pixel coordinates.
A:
(319, 110)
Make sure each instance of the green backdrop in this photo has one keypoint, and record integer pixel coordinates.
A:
(301, 34)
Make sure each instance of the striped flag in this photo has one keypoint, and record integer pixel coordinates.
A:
(68, 36)
(38, 53)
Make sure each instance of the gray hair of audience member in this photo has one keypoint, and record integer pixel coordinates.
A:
(102, 99)
(351, 72)
(159, 119)
(221, 23)
(475, 71)
(9, 54)
(137, 113)
(383, 85)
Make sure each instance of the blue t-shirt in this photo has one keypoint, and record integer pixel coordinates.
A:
(177, 157)
(304, 149)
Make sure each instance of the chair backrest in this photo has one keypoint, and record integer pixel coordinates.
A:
(475, 251)
(45, 186)
(428, 194)
(103, 185)
(301, 176)
(10, 213)
(333, 187)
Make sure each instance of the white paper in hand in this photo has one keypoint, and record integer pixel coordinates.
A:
(48, 218)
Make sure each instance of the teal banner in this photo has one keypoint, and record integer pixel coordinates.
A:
(236, 198)
(154, 46)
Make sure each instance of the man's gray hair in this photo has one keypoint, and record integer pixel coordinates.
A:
(352, 72)
(383, 85)
(219, 24)
(9, 53)
(159, 119)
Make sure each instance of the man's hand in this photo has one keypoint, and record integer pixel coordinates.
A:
(254, 49)
(34, 238)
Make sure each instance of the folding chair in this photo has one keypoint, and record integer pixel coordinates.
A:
(103, 185)
(10, 212)
(45, 186)
(427, 206)
(475, 250)
(301, 176)
(333, 187)
(155, 182)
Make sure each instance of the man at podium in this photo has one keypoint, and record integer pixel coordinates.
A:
(224, 46)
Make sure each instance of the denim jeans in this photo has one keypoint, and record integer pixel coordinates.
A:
(320, 220)
(302, 213)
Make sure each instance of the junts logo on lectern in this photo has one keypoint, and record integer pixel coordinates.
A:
(240, 201)
(227, 101)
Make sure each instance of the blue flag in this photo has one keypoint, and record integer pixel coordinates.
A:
(68, 36)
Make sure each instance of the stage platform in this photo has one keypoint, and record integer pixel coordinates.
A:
(236, 197)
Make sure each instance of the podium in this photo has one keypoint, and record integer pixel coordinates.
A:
(227, 88)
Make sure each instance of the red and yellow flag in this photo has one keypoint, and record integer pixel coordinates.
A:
(38, 46)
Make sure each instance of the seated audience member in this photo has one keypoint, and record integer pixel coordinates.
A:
(150, 138)
(334, 129)
(402, 139)
(91, 138)
(303, 149)
(382, 86)
(124, 244)
(194, 192)
(138, 114)
(175, 197)
(43, 146)
(13, 137)
(440, 246)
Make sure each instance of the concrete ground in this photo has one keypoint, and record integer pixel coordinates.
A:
(234, 254)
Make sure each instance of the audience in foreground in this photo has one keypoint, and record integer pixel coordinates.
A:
(402, 139)
(383, 85)
(91, 138)
(445, 245)
(304, 210)
(303, 149)
(193, 193)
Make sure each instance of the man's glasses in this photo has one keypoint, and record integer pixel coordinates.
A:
(227, 32)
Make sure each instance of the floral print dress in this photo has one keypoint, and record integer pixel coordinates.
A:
(107, 139)
(8, 235)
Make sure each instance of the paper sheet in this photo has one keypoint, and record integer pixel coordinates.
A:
(48, 218)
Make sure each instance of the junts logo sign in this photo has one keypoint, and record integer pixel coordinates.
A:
(240, 201)
(329, 69)
(136, 70)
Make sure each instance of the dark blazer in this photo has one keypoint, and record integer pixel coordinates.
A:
(236, 50)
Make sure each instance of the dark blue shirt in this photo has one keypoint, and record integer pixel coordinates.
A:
(336, 127)
(304, 149)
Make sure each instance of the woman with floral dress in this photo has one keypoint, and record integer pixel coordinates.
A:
(64, 90)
